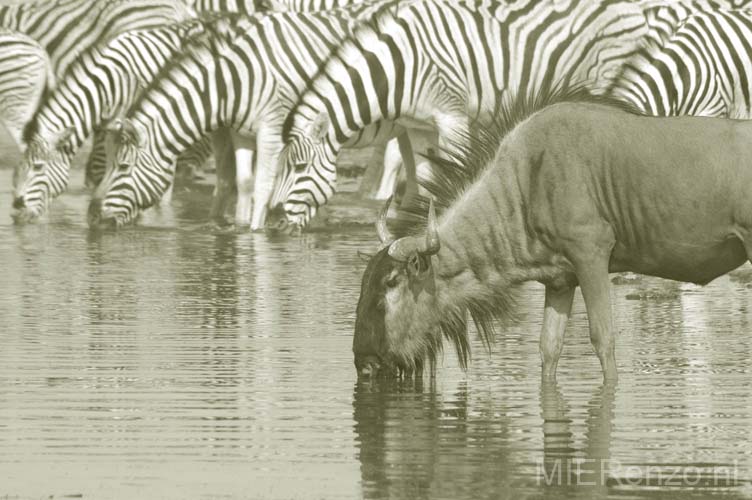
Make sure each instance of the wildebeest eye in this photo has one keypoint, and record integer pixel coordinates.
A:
(392, 282)
(415, 264)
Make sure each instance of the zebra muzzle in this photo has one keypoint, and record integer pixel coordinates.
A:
(98, 217)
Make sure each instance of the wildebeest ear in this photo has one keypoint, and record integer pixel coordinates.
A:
(319, 128)
(63, 138)
(365, 257)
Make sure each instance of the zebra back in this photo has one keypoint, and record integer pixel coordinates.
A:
(304, 5)
(239, 6)
(66, 27)
(24, 76)
(704, 69)
(105, 79)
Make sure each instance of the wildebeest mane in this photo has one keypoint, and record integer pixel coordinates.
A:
(459, 167)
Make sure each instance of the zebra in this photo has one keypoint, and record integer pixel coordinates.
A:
(437, 62)
(66, 27)
(63, 28)
(250, 6)
(703, 69)
(246, 77)
(139, 55)
(25, 74)
(236, 6)
(304, 5)
(100, 85)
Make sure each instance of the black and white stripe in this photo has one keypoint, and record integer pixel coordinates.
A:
(239, 6)
(246, 78)
(704, 69)
(67, 27)
(435, 62)
(25, 73)
(101, 84)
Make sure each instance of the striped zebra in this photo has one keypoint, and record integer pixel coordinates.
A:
(437, 62)
(251, 6)
(141, 56)
(25, 73)
(304, 5)
(66, 27)
(247, 77)
(101, 84)
(237, 6)
(703, 69)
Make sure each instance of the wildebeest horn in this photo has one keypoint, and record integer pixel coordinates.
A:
(430, 245)
(384, 235)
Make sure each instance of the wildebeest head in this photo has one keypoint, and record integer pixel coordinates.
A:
(397, 324)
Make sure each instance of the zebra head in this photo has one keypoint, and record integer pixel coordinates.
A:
(42, 174)
(306, 177)
(397, 320)
(134, 179)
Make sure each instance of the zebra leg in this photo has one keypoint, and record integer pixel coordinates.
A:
(392, 164)
(408, 160)
(224, 161)
(166, 198)
(192, 160)
(97, 162)
(243, 178)
(268, 148)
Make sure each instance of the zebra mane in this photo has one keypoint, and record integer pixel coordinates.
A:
(454, 172)
(191, 30)
(210, 31)
(365, 16)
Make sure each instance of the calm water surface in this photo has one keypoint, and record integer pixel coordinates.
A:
(169, 361)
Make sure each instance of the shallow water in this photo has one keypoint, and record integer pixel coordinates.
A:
(168, 361)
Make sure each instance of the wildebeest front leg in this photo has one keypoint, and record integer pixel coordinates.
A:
(592, 275)
(555, 316)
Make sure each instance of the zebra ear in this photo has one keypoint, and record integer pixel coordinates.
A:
(319, 128)
(62, 139)
(132, 133)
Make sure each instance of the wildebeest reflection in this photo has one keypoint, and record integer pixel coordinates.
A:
(422, 443)
(566, 189)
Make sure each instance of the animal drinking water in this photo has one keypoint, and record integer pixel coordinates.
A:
(575, 191)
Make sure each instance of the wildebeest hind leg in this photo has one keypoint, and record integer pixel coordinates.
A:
(555, 316)
(592, 275)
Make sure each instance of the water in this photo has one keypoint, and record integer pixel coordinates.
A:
(169, 361)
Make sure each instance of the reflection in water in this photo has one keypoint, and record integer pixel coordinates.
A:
(564, 465)
(169, 361)
(416, 443)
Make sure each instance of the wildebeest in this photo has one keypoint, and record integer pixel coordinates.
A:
(575, 190)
